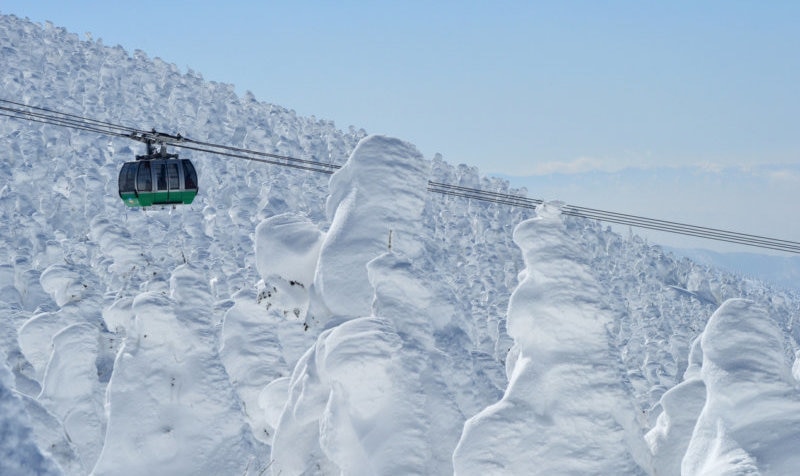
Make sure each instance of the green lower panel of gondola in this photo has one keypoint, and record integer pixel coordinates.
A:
(184, 196)
(150, 199)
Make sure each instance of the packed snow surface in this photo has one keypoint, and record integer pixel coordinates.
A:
(300, 324)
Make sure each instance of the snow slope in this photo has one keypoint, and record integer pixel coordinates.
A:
(780, 270)
(295, 323)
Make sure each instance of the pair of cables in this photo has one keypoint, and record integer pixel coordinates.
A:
(17, 110)
(620, 218)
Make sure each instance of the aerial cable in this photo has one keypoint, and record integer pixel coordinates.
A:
(45, 112)
(485, 195)
(257, 159)
(51, 117)
(455, 193)
(580, 211)
(62, 123)
(320, 166)
(632, 220)
(690, 230)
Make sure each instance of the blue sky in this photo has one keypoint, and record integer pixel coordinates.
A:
(680, 110)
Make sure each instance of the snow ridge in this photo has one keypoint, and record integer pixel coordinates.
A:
(565, 408)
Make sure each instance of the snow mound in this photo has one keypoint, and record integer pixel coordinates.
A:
(380, 192)
(72, 392)
(287, 245)
(751, 419)
(368, 391)
(565, 409)
(287, 250)
(168, 388)
(19, 453)
(343, 391)
(681, 406)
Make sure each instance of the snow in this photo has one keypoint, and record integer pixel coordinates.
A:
(169, 388)
(71, 391)
(378, 192)
(350, 397)
(19, 453)
(751, 418)
(681, 406)
(293, 323)
(566, 408)
(287, 245)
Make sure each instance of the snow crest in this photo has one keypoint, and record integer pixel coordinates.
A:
(736, 411)
(168, 388)
(750, 423)
(376, 202)
(361, 396)
(565, 409)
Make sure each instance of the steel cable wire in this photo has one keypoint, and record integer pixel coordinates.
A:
(313, 163)
(623, 219)
(257, 159)
(55, 114)
(61, 123)
(607, 216)
(52, 117)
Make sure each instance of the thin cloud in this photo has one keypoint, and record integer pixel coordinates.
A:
(710, 167)
(588, 165)
(577, 166)
(784, 175)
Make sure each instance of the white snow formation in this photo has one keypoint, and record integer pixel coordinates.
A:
(296, 323)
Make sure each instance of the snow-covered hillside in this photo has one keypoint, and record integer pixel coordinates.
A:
(296, 323)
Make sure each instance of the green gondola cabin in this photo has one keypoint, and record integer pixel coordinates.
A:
(148, 182)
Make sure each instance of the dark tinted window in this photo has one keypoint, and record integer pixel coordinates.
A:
(127, 177)
(161, 175)
(189, 175)
(144, 179)
(173, 177)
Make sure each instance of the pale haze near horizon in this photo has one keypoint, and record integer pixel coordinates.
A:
(683, 111)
